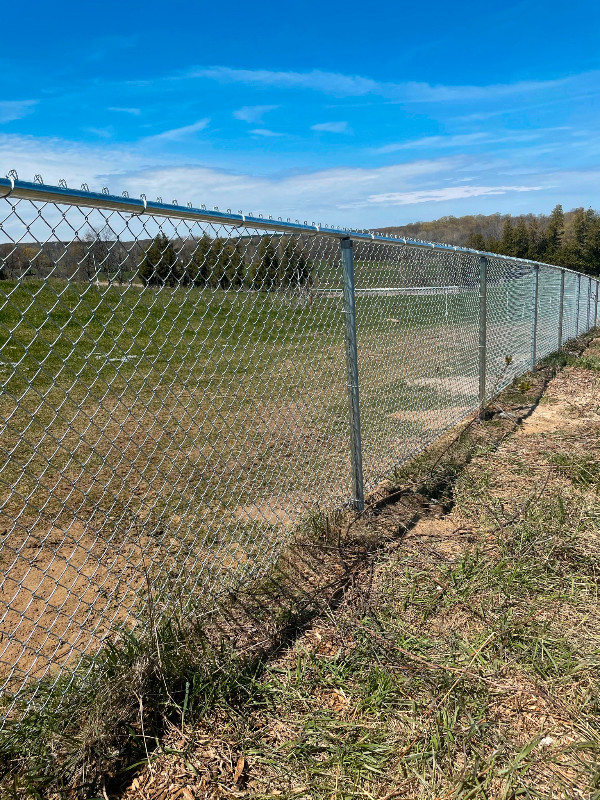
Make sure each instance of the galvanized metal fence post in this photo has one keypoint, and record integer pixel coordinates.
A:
(483, 264)
(596, 309)
(589, 303)
(534, 316)
(577, 307)
(358, 496)
(561, 307)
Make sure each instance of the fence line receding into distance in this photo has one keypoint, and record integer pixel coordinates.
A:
(182, 387)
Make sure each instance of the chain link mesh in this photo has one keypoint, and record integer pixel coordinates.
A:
(175, 401)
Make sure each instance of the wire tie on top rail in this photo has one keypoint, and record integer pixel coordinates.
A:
(12, 186)
(144, 209)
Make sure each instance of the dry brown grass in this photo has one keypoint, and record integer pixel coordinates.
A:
(442, 644)
(461, 659)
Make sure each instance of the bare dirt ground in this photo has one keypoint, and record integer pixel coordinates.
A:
(111, 495)
(460, 660)
(132, 509)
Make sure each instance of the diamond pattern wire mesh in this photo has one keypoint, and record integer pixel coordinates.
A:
(570, 323)
(417, 315)
(174, 402)
(509, 322)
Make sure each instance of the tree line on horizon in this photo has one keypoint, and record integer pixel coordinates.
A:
(568, 239)
(266, 263)
(221, 263)
(277, 262)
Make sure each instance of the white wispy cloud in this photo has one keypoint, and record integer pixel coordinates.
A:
(441, 195)
(133, 111)
(264, 132)
(356, 85)
(464, 140)
(76, 162)
(356, 196)
(328, 82)
(253, 114)
(338, 196)
(426, 93)
(457, 140)
(588, 81)
(11, 110)
(331, 127)
(174, 134)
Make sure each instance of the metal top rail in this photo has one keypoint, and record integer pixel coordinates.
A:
(12, 187)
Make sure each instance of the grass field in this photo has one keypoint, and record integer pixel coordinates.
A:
(442, 644)
(161, 442)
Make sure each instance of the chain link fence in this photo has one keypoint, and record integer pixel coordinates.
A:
(182, 387)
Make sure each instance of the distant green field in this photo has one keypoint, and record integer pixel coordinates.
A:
(83, 340)
(235, 355)
(243, 393)
(52, 333)
(178, 433)
(201, 366)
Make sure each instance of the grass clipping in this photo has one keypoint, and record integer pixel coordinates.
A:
(449, 648)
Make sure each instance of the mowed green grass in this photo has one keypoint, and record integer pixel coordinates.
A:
(204, 420)
(238, 354)
(54, 329)
(184, 431)
(70, 335)
(245, 392)
(58, 334)
(142, 319)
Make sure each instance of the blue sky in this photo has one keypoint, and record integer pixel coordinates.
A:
(357, 115)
